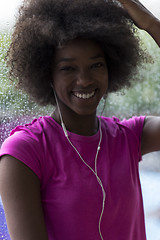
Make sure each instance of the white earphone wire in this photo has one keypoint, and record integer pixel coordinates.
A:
(94, 172)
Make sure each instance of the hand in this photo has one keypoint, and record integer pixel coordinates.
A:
(141, 16)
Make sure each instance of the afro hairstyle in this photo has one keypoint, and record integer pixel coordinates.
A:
(43, 25)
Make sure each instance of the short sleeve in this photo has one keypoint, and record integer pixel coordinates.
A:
(135, 124)
(26, 148)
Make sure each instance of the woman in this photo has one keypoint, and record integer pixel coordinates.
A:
(74, 175)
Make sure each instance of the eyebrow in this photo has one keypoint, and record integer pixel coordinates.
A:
(73, 59)
(65, 60)
(97, 56)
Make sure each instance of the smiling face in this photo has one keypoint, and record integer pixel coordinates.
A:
(80, 76)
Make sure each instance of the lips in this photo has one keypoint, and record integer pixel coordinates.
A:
(82, 95)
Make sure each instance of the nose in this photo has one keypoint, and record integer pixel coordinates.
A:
(84, 78)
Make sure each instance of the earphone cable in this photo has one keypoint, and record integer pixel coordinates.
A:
(95, 172)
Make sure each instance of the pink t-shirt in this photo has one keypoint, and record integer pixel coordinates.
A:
(71, 195)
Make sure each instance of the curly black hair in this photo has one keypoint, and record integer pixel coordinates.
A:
(42, 25)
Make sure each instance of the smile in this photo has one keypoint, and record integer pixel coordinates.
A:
(84, 95)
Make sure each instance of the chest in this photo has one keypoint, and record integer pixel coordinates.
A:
(71, 182)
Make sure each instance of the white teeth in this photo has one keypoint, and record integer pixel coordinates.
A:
(84, 95)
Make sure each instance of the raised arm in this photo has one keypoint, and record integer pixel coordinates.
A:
(143, 18)
(20, 192)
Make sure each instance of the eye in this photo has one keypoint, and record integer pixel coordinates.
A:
(67, 68)
(98, 65)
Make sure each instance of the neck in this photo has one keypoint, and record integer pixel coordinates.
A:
(82, 125)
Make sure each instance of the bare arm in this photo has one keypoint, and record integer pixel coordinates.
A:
(20, 192)
(151, 135)
(143, 18)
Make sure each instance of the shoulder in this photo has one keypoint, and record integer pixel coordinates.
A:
(125, 134)
(24, 135)
(132, 125)
(37, 126)
(32, 132)
(27, 143)
(31, 138)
